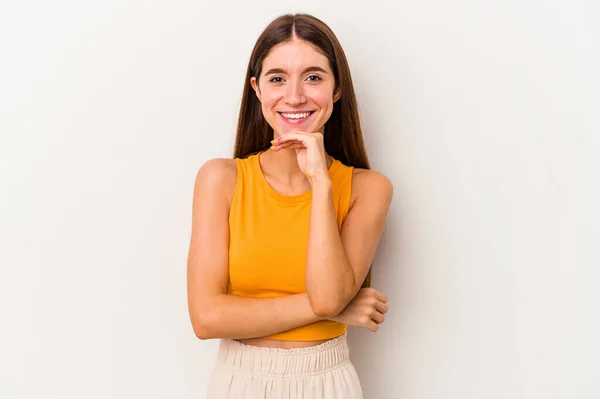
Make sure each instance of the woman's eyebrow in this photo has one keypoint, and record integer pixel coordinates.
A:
(308, 69)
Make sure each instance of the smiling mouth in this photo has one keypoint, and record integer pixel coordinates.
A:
(295, 117)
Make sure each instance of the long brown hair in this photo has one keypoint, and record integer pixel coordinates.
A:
(342, 134)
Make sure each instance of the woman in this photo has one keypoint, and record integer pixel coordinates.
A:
(284, 234)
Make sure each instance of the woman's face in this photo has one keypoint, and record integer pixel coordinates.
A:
(295, 88)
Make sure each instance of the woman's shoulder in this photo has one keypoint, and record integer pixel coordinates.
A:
(219, 168)
(218, 175)
(369, 179)
(369, 183)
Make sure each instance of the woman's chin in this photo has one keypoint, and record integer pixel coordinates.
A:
(304, 127)
(281, 130)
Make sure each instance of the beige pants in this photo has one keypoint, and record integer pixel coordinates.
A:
(249, 372)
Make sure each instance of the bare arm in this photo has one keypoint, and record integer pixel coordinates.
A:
(338, 261)
(213, 312)
(239, 317)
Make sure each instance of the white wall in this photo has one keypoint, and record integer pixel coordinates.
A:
(483, 114)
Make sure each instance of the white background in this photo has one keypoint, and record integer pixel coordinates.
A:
(483, 114)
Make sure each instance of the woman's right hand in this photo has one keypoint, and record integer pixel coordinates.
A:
(365, 310)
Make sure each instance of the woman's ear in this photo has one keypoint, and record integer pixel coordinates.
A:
(337, 95)
(254, 85)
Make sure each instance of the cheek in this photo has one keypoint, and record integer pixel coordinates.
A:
(267, 104)
(269, 98)
(323, 97)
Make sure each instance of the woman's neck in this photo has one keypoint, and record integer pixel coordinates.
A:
(282, 167)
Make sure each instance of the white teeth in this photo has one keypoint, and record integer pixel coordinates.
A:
(296, 116)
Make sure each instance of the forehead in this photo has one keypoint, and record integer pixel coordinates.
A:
(295, 55)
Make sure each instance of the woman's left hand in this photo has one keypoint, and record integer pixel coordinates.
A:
(310, 152)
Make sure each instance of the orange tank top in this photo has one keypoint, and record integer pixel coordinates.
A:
(269, 240)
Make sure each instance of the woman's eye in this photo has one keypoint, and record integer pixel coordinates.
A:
(274, 80)
(316, 78)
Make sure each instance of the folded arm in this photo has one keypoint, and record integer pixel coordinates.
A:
(213, 312)
(338, 261)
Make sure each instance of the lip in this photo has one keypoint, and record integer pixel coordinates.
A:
(295, 121)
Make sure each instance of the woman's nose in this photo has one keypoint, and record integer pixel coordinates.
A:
(294, 94)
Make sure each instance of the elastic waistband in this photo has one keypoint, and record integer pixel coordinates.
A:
(284, 362)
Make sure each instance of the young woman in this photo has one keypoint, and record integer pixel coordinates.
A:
(284, 233)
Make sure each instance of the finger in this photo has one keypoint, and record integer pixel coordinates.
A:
(291, 147)
(287, 146)
(287, 143)
(378, 317)
(381, 307)
(381, 296)
(300, 136)
(373, 327)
